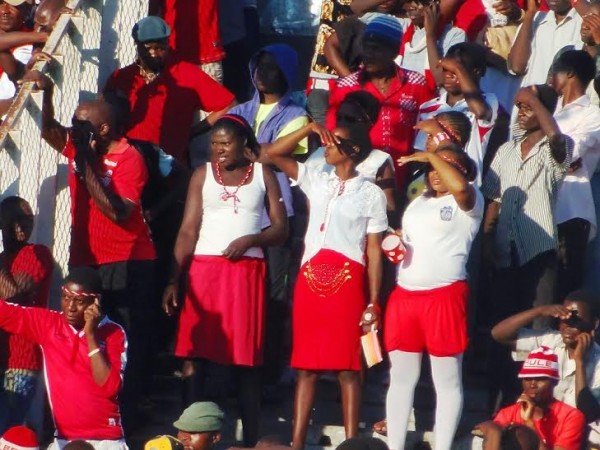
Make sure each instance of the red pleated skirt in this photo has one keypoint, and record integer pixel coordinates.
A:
(223, 314)
(327, 313)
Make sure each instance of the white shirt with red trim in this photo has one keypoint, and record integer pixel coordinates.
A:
(81, 408)
(480, 132)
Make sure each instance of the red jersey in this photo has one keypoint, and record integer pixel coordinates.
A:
(163, 111)
(394, 130)
(95, 239)
(562, 425)
(81, 409)
(35, 262)
(194, 30)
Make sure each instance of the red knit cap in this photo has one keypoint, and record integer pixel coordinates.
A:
(19, 438)
(542, 362)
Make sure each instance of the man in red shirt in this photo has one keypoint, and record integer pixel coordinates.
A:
(558, 425)
(106, 179)
(399, 91)
(166, 92)
(84, 360)
(25, 276)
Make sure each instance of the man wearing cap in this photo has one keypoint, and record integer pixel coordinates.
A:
(558, 425)
(199, 426)
(399, 91)
(166, 93)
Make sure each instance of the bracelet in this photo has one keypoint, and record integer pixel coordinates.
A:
(375, 306)
(440, 137)
(93, 352)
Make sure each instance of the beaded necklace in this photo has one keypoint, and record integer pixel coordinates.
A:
(226, 195)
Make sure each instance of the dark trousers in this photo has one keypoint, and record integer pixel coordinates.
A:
(128, 300)
(516, 289)
(572, 245)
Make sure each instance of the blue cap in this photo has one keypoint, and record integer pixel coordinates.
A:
(150, 29)
(384, 28)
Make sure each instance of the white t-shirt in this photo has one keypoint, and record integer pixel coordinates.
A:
(581, 121)
(438, 237)
(368, 168)
(7, 87)
(548, 38)
(340, 222)
(480, 132)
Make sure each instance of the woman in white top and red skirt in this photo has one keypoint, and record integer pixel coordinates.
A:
(220, 246)
(427, 310)
(347, 216)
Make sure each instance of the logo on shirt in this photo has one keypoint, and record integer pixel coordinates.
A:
(106, 178)
(446, 213)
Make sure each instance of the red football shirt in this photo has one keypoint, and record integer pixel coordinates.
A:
(36, 262)
(95, 239)
(562, 425)
(195, 30)
(394, 130)
(163, 110)
(81, 408)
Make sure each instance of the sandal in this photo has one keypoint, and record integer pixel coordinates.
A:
(380, 427)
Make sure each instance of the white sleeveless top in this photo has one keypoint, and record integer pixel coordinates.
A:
(220, 223)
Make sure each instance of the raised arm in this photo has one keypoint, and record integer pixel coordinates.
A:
(455, 181)
(334, 57)
(359, 7)
(14, 39)
(506, 332)
(432, 19)
(558, 143)
(113, 206)
(473, 96)
(52, 130)
(520, 52)
(280, 152)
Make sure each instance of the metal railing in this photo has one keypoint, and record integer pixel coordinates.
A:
(86, 47)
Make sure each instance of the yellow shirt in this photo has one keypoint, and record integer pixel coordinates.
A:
(290, 127)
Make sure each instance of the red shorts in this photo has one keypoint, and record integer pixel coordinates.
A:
(434, 320)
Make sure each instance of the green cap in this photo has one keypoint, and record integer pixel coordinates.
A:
(200, 417)
(150, 29)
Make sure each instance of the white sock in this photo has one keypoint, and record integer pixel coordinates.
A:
(447, 379)
(405, 369)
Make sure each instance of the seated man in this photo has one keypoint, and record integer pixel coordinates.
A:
(557, 425)
(573, 343)
(84, 359)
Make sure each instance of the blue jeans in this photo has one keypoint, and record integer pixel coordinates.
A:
(19, 390)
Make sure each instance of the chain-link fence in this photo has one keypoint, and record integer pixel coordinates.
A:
(86, 47)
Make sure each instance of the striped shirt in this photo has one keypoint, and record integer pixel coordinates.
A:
(527, 190)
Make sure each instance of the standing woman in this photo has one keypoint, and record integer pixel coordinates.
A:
(427, 310)
(220, 246)
(347, 215)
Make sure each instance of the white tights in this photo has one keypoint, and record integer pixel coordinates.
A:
(404, 375)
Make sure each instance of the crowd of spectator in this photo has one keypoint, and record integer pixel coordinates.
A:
(438, 170)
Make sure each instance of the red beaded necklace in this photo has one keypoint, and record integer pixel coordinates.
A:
(226, 195)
